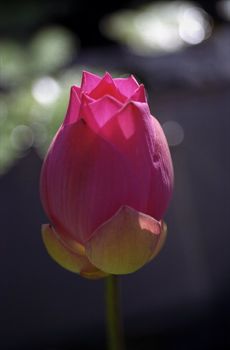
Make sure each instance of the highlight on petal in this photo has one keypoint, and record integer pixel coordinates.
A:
(161, 240)
(89, 81)
(126, 86)
(66, 258)
(72, 114)
(125, 242)
(139, 94)
(102, 110)
(107, 87)
(127, 122)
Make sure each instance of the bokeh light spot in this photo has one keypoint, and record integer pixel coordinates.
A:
(173, 132)
(165, 26)
(46, 90)
(193, 27)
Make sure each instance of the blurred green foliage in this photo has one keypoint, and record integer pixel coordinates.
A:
(35, 82)
(29, 116)
(158, 27)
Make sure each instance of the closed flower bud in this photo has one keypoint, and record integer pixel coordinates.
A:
(106, 180)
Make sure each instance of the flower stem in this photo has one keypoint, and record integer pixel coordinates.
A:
(114, 325)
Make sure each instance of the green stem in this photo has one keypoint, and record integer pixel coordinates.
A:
(114, 325)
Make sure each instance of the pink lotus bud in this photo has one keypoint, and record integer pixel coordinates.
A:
(107, 180)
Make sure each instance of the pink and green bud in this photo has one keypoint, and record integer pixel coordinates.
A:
(106, 181)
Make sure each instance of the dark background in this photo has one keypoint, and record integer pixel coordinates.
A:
(182, 299)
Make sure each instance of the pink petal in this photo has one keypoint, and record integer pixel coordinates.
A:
(124, 243)
(87, 175)
(77, 89)
(89, 81)
(127, 86)
(139, 94)
(98, 112)
(83, 182)
(66, 257)
(129, 123)
(85, 112)
(107, 87)
(140, 139)
(72, 114)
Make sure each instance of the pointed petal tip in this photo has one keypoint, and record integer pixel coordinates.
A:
(134, 80)
(139, 95)
(89, 81)
(86, 74)
(102, 110)
(107, 74)
(74, 87)
(135, 106)
(124, 243)
(107, 78)
(72, 113)
(126, 86)
(107, 86)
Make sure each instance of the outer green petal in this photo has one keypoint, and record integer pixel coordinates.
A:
(124, 243)
(72, 259)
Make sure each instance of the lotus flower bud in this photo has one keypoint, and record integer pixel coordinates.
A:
(106, 180)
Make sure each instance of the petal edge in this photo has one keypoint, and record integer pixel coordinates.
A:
(124, 243)
(72, 114)
(67, 258)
